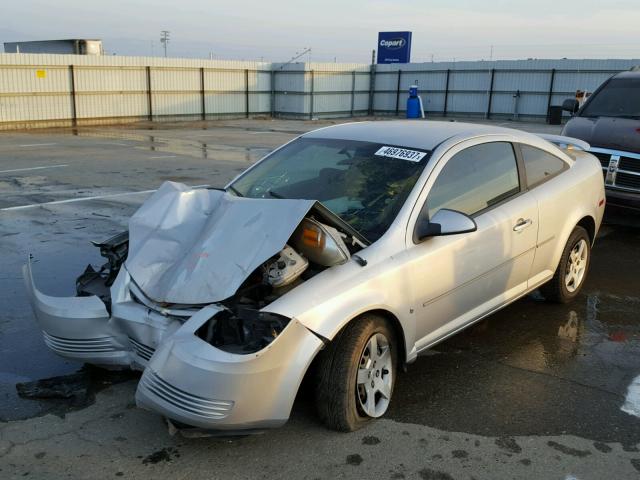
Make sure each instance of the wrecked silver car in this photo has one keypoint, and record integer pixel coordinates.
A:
(352, 249)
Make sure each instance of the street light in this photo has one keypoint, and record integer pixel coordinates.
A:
(164, 40)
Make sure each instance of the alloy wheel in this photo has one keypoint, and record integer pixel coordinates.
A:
(576, 266)
(375, 376)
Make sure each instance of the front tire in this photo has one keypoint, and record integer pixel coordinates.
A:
(572, 270)
(356, 374)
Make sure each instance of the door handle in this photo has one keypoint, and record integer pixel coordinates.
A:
(521, 224)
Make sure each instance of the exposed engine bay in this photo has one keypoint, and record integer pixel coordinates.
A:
(241, 327)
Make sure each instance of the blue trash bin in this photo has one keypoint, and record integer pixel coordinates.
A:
(413, 103)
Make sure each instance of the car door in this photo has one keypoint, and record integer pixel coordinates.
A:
(457, 279)
(543, 171)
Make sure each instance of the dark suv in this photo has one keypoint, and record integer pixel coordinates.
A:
(610, 122)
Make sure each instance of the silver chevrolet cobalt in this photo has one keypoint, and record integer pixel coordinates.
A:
(342, 256)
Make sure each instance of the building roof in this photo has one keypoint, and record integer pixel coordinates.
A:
(59, 40)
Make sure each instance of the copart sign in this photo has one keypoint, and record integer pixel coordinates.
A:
(394, 47)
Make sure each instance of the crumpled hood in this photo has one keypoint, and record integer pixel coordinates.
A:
(606, 132)
(196, 246)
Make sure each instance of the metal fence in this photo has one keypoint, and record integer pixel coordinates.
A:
(513, 93)
(46, 90)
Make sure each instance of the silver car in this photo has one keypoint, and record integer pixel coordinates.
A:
(343, 254)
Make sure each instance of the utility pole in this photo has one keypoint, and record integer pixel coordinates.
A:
(491, 53)
(164, 40)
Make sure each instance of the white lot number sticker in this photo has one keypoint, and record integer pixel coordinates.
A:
(401, 153)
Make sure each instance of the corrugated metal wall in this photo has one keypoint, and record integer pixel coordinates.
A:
(46, 90)
(103, 92)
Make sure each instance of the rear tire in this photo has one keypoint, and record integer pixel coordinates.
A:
(571, 273)
(343, 399)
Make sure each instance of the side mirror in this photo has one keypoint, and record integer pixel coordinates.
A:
(570, 105)
(444, 222)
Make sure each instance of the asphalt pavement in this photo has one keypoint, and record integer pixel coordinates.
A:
(534, 391)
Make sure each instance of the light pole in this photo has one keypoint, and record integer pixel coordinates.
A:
(164, 40)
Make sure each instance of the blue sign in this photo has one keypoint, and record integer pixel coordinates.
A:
(394, 47)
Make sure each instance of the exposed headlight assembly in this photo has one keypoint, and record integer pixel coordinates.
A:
(242, 331)
(320, 243)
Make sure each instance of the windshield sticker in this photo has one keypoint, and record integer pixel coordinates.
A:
(401, 153)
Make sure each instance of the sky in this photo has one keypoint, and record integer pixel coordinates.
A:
(342, 31)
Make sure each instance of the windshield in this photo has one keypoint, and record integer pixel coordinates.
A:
(352, 179)
(619, 98)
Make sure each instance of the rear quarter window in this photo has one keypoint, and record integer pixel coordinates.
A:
(539, 165)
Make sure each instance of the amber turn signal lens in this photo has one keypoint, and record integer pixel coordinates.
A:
(313, 237)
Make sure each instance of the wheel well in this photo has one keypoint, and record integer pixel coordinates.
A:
(589, 224)
(397, 328)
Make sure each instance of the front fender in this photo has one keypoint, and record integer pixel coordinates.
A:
(331, 299)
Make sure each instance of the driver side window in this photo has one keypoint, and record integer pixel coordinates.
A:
(475, 178)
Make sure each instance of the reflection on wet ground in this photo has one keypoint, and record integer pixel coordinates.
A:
(89, 162)
(538, 368)
(255, 125)
(180, 146)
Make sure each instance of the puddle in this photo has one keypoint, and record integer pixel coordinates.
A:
(61, 252)
(201, 149)
(178, 146)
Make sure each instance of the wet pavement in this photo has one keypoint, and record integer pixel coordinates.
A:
(534, 391)
(535, 368)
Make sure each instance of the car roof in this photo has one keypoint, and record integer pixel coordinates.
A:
(628, 74)
(425, 135)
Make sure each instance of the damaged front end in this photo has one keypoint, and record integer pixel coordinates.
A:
(103, 324)
(181, 296)
(98, 282)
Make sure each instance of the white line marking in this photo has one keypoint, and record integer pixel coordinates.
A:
(632, 402)
(82, 199)
(72, 200)
(114, 143)
(165, 156)
(32, 168)
(250, 133)
(37, 144)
